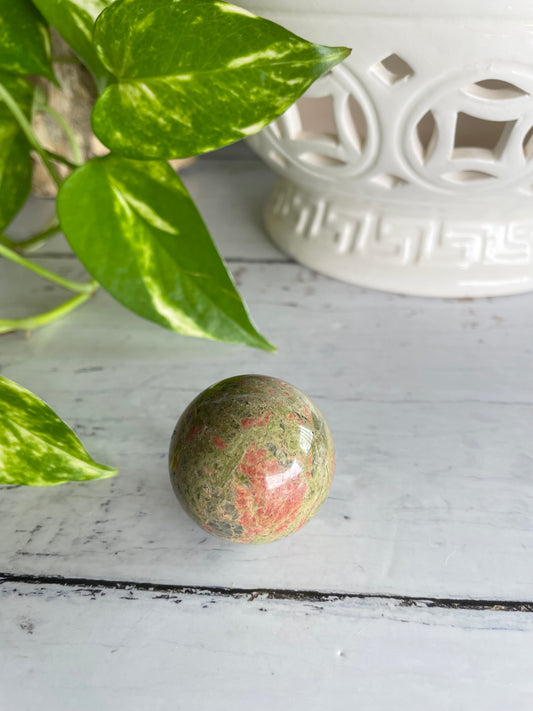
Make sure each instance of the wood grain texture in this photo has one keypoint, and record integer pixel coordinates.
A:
(88, 647)
(430, 403)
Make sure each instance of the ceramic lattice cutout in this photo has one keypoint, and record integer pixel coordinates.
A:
(410, 166)
(330, 132)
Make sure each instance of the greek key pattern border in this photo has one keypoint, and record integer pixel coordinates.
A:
(401, 240)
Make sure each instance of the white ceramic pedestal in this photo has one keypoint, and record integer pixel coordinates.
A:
(409, 168)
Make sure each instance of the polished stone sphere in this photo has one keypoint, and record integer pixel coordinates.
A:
(251, 459)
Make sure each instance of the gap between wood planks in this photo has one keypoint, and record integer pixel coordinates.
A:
(228, 260)
(163, 590)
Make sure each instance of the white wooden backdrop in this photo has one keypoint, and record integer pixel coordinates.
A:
(431, 407)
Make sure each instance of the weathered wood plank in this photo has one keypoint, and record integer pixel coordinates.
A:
(91, 648)
(430, 403)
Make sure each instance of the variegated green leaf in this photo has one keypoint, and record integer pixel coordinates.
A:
(74, 20)
(137, 231)
(24, 39)
(195, 75)
(15, 160)
(36, 447)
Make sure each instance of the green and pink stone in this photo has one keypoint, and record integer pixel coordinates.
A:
(251, 459)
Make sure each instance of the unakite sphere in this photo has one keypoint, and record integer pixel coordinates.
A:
(251, 459)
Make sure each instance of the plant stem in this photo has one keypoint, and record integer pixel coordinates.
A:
(35, 240)
(62, 159)
(31, 322)
(85, 288)
(25, 125)
(69, 133)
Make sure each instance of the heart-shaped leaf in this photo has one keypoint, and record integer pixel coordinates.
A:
(36, 447)
(15, 160)
(74, 20)
(24, 40)
(137, 231)
(196, 75)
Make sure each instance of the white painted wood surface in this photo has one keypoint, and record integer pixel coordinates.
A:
(431, 405)
(88, 649)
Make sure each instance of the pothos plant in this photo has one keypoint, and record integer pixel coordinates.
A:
(175, 78)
